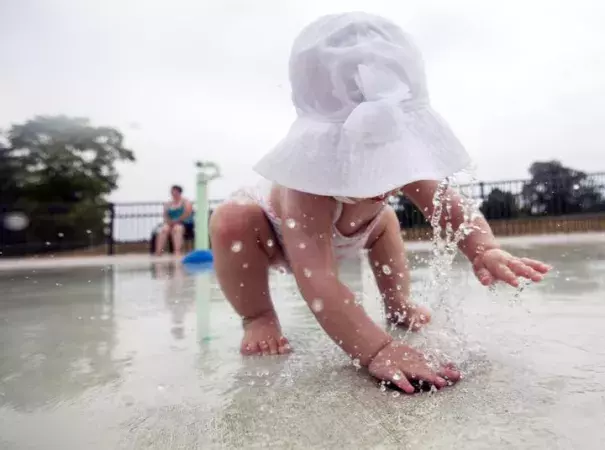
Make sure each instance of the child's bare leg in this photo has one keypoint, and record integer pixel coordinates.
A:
(390, 266)
(244, 245)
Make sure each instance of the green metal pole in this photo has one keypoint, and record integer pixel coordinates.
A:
(207, 172)
(201, 213)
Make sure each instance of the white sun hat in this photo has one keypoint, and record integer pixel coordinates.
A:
(365, 125)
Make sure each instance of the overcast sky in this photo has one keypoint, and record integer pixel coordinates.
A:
(187, 79)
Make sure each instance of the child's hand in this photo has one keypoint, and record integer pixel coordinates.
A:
(399, 364)
(498, 265)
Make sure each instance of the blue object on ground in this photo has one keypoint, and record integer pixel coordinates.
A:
(198, 257)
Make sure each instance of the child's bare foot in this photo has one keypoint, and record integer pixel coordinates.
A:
(263, 336)
(408, 315)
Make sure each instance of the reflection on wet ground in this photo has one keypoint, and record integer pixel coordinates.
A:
(145, 356)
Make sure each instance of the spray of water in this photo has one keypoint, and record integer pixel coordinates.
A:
(449, 342)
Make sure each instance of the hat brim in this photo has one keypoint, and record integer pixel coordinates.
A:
(311, 158)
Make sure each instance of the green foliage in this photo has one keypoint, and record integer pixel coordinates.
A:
(64, 159)
(58, 171)
(500, 205)
(557, 190)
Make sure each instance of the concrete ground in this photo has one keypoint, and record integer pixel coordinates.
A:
(139, 353)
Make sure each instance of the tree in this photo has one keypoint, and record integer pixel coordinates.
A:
(58, 171)
(8, 175)
(66, 159)
(500, 205)
(556, 190)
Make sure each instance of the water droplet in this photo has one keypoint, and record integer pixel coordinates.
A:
(161, 387)
(290, 223)
(47, 243)
(395, 394)
(356, 363)
(388, 362)
(386, 269)
(383, 388)
(88, 232)
(245, 265)
(352, 224)
(396, 376)
(241, 285)
(302, 246)
(60, 235)
(237, 246)
(270, 243)
(317, 305)
(307, 273)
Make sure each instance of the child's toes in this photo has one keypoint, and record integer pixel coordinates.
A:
(272, 346)
(264, 347)
(284, 346)
(250, 349)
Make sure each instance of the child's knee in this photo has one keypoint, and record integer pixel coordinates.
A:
(231, 222)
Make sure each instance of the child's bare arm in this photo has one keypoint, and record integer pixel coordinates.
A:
(421, 193)
(490, 262)
(307, 234)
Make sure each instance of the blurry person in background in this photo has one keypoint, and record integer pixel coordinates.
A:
(178, 220)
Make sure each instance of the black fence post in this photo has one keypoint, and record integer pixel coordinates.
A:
(109, 225)
(482, 190)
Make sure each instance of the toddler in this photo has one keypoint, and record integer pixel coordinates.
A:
(365, 130)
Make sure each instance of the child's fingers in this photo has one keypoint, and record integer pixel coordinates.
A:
(426, 374)
(505, 274)
(536, 265)
(450, 373)
(399, 380)
(523, 270)
(484, 276)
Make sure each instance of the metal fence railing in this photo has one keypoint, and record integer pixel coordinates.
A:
(33, 229)
(51, 228)
(517, 199)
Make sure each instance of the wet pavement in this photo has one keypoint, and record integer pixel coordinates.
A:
(143, 354)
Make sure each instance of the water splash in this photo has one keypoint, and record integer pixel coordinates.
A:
(449, 343)
(386, 269)
(237, 246)
(317, 305)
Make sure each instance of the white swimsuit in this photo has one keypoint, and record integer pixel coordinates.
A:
(345, 247)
